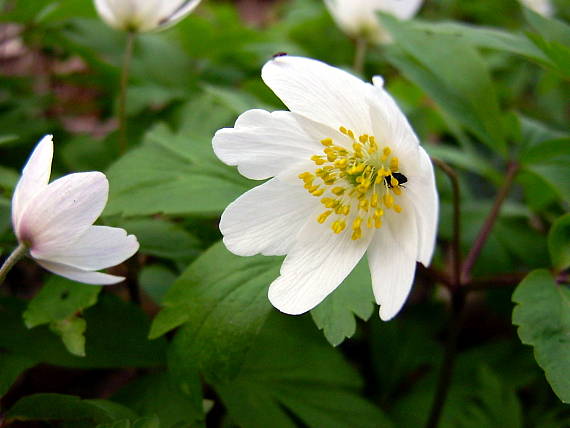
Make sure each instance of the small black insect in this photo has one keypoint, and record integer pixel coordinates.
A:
(398, 176)
(278, 54)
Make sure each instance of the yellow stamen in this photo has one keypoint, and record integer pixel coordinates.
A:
(323, 217)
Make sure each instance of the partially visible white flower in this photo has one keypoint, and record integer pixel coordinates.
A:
(347, 176)
(358, 19)
(140, 16)
(543, 7)
(55, 221)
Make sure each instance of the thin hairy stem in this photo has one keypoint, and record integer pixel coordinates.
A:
(16, 255)
(125, 69)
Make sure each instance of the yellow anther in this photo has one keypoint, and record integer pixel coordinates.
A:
(374, 200)
(378, 223)
(305, 175)
(343, 130)
(357, 223)
(345, 209)
(397, 190)
(388, 200)
(328, 202)
(350, 133)
(363, 138)
(394, 182)
(363, 204)
(311, 189)
(318, 160)
(338, 190)
(378, 212)
(318, 192)
(386, 151)
(341, 163)
(394, 164)
(397, 208)
(357, 234)
(327, 142)
(323, 217)
(370, 222)
(338, 226)
(373, 140)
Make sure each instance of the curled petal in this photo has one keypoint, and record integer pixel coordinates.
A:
(60, 214)
(98, 248)
(35, 178)
(79, 275)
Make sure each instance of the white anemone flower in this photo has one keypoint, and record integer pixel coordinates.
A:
(358, 19)
(55, 221)
(542, 7)
(347, 176)
(140, 16)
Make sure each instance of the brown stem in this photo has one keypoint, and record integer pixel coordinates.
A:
(123, 92)
(489, 223)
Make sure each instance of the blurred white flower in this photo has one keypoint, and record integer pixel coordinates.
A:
(347, 177)
(543, 7)
(55, 221)
(140, 16)
(358, 19)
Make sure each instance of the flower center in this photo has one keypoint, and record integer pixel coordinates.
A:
(356, 185)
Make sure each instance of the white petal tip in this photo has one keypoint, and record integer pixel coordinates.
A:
(283, 303)
(387, 314)
(378, 81)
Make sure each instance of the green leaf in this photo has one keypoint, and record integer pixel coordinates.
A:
(160, 394)
(150, 422)
(182, 176)
(126, 346)
(456, 77)
(559, 243)
(11, 367)
(336, 315)
(57, 407)
(222, 300)
(155, 280)
(543, 317)
(58, 300)
(549, 160)
(293, 371)
(72, 332)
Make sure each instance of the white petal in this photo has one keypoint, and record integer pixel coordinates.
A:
(79, 275)
(180, 12)
(35, 178)
(392, 261)
(107, 13)
(98, 248)
(421, 192)
(320, 92)
(267, 218)
(403, 9)
(390, 125)
(63, 211)
(263, 144)
(316, 265)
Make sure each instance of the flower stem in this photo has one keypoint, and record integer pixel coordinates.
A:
(16, 255)
(360, 54)
(489, 223)
(456, 242)
(125, 69)
(446, 369)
